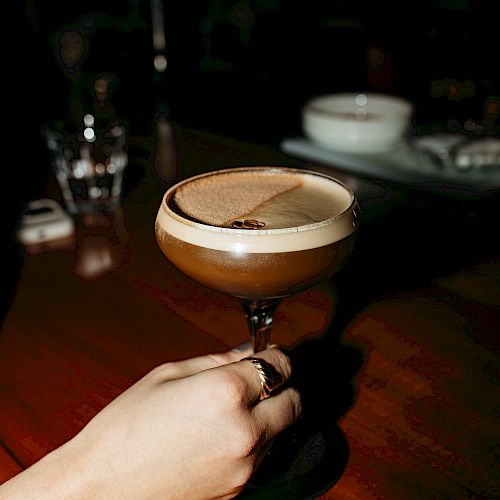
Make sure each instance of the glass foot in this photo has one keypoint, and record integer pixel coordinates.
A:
(302, 463)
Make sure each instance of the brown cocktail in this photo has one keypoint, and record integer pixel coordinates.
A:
(258, 233)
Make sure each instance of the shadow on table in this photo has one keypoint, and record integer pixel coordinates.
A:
(310, 457)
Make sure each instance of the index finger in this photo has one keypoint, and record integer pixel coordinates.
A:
(184, 368)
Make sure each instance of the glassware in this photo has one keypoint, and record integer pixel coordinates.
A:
(259, 234)
(89, 166)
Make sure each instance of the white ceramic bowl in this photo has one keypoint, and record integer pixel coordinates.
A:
(357, 122)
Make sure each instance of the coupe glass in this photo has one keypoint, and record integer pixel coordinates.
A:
(259, 234)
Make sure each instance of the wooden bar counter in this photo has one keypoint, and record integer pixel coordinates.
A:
(402, 347)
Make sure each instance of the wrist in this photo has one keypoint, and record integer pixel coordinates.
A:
(58, 475)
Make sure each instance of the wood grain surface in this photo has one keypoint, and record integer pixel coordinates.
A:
(410, 374)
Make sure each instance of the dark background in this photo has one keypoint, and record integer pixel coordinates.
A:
(245, 68)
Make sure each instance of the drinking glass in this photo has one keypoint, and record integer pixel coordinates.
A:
(259, 234)
(89, 165)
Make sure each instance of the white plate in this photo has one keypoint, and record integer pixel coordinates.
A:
(403, 164)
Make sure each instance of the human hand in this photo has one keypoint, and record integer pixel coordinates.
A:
(190, 429)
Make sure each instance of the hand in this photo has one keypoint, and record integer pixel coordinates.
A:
(191, 429)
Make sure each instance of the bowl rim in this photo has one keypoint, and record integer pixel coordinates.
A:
(402, 107)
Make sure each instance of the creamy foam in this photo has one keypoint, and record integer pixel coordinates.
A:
(313, 210)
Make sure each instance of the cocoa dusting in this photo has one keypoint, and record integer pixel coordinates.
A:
(220, 199)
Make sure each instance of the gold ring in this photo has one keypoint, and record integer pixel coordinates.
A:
(268, 376)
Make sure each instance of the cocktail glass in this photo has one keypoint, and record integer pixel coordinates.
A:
(259, 234)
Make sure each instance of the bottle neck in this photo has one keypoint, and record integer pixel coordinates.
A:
(102, 108)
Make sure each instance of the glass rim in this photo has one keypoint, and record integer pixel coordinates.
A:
(275, 231)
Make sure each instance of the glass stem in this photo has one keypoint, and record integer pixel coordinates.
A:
(259, 314)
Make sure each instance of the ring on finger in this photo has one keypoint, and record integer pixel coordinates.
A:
(268, 376)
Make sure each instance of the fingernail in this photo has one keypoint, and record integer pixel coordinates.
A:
(242, 347)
